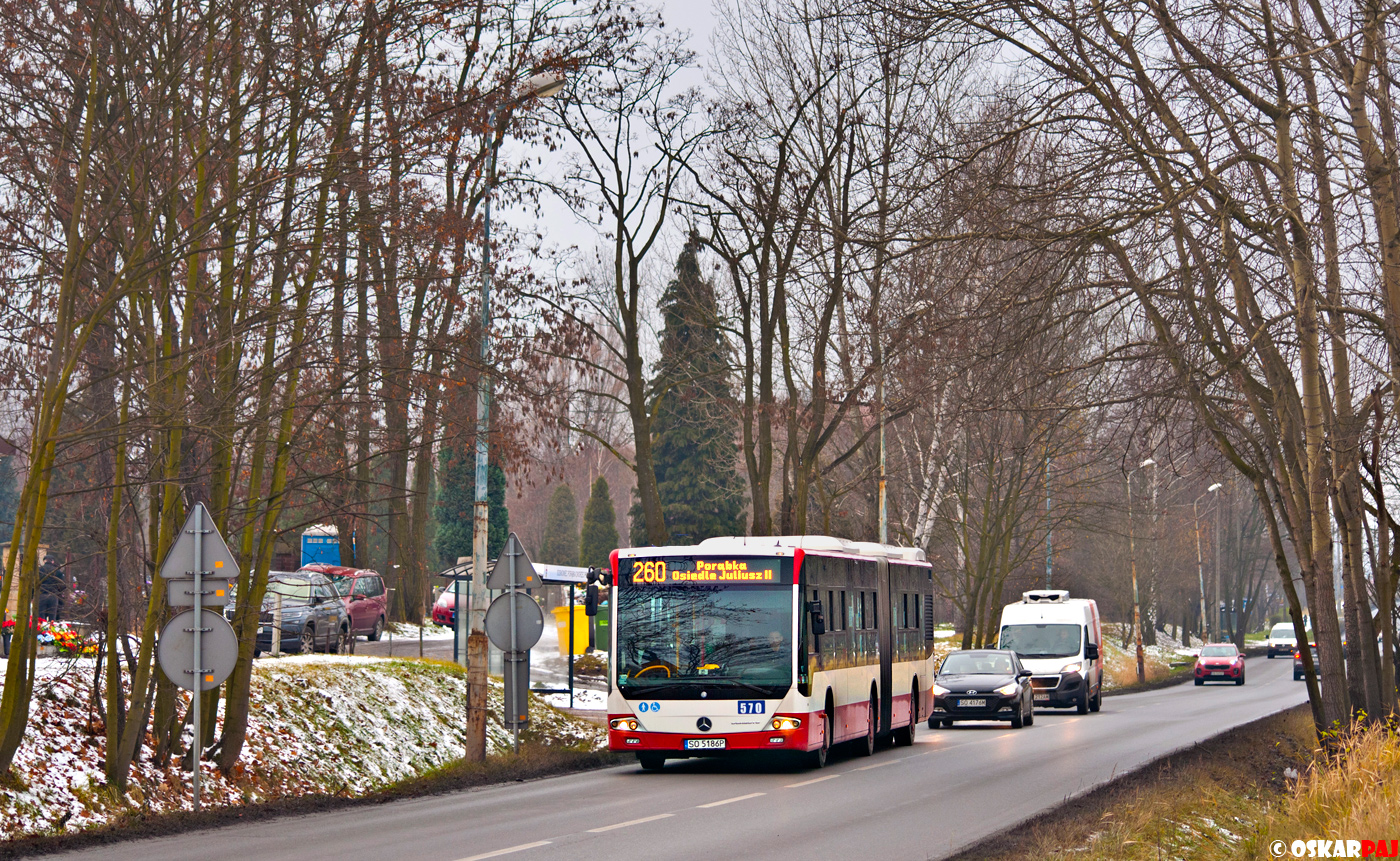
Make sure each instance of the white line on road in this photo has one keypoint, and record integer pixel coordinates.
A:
(521, 848)
(812, 781)
(879, 764)
(732, 800)
(629, 822)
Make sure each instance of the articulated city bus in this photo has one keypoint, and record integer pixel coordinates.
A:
(792, 643)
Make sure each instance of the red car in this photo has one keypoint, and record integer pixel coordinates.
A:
(364, 595)
(445, 607)
(1220, 662)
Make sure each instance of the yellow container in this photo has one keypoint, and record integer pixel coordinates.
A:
(561, 624)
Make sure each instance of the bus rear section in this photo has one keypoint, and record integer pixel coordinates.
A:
(716, 651)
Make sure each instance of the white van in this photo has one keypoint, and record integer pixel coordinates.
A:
(1058, 639)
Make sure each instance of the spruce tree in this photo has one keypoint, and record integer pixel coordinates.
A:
(694, 451)
(456, 501)
(9, 497)
(561, 528)
(599, 537)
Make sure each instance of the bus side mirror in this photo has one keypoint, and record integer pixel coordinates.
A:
(590, 600)
(818, 619)
(1091, 652)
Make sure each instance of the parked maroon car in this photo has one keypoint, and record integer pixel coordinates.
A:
(364, 594)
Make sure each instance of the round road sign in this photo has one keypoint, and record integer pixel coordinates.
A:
(218, 650)
(529, 621)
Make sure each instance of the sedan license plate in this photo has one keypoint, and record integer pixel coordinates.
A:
(704, 744)
(972, 704)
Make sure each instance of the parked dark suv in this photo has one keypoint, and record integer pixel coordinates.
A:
(364, 594)
(314, 618)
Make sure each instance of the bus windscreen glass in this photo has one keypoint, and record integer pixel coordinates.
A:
(1041, 641)
(721, 626)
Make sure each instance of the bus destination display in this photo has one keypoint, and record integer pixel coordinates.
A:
(678, 571)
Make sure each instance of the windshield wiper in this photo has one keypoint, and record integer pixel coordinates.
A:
(764, 691)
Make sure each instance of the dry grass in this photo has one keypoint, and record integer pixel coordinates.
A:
(1226, 799)
(1352, 795)
(1204, 804)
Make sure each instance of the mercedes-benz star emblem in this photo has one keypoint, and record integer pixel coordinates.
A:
(971, 692)
(703, 724)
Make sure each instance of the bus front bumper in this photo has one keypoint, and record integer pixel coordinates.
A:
(808, 736)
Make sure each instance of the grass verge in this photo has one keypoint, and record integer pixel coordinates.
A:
(534, 762)
(1237, 796)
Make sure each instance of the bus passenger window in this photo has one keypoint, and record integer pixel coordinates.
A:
(832, 619)
(904, 610)
(846, 611)
(916, 612)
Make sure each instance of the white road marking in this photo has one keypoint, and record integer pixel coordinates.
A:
(878, 765)
(629, 822)
(499, 852)
(812, 781)
(732, 800)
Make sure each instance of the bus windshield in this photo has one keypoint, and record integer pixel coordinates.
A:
(1041, 641)
(679, 639)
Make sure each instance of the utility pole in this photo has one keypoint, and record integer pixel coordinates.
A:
(1132, 566)
(544, 84)
(1219, 627)
(1200, 568)
(1049, 528)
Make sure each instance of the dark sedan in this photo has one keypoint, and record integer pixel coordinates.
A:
(982, 684)
(314, 618)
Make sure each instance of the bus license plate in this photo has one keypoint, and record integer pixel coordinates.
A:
(972, 704)
(704, 744)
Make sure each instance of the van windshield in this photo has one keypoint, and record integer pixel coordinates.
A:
(1283, 629)
(1041, 641)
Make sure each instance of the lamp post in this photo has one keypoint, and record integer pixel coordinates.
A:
(1132, 566)
(1200, 566)
(543, 84)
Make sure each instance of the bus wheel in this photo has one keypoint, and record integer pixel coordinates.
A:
(904, 736)
(651, 761)
(817, 758)
(868, 749)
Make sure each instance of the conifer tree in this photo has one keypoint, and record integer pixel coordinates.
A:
(9, 496)
(561, 533)
(599, 537)
(694, 450)
(456, 500)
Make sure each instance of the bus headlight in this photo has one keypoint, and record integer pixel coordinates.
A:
(786, 722)
(624, 724)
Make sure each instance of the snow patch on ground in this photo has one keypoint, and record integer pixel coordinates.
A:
(336, 724)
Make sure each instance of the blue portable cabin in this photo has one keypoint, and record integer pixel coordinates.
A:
(320, 543)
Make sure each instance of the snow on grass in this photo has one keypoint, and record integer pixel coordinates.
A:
(338, 725)
(584, 698)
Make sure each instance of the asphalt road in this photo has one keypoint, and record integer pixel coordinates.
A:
(953, 788)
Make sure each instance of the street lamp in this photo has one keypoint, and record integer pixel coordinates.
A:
(1132, 565)
(1200, 566)
(542, 84)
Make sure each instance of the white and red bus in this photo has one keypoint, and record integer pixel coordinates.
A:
(792, 643)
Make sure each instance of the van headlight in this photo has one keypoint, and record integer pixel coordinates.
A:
(786, 722)
(624, 724)
(1008, 689)
(1071, 668)
(939, 690)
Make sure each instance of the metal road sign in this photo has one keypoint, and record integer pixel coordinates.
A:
(521, 576)
(176, 649)
(527, 616)
(218, 562)
(198, 649)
